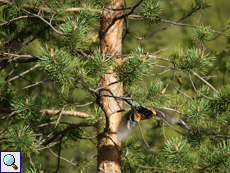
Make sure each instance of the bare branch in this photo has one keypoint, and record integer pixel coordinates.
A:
(65, 113)
(200, 13)
(29, 86)
(25, 72)
(199, 91)
(177, 88)
(51, 26)
(61, 157)
(174, 110)
(86, 104)
(157, 74)
(172, 127)
(163, 128)
(17, 18)
(205, 82)
(143, 135)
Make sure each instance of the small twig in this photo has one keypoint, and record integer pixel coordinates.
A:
(21, 17)
(205, 81)
(163, 128)
(86, 104)
(61, 157)
(174, 110)
(157, 74)
(7, 116)
(143, 135)
(29, 86)
(50, 145)
(56, 134)
(201, 5)
(60, 114)
(199, 91)
(174, 74)
(172, 127)
(160, 66)
(65, 113)
(38, 16)
(1, 133)
(25, 72)
(59, 153)
(13, 69)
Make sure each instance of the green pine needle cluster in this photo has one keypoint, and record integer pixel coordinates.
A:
(203, 33)
(216, 158)
(151, 95)
(27, 107)
(191, 59)
(151, 9)
(133, 149)
(82, 163)
(179, 154)
(195, 5)
(132, 70)
(21, 138)
(96, 118)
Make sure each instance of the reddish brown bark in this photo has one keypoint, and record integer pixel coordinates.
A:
(109, 155)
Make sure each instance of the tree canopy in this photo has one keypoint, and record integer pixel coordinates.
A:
(66, 67)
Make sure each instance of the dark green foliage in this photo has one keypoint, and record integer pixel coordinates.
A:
(34, 170)
(222, 98)
(71, 64)
(133, 150)
(97, 66)
(76, 32)
(195, 6)
(179, 154)
(131, 71)
(82, 163)
(152, 95)
(27, 108)
(151, 9)
(191, 59)
(196, 137)
(203, 34)
(216, 158)
(73, 135)
(198, 110)
(21, 138)
(96, 118)
(55, 62)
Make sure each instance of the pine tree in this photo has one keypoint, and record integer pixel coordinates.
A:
(63, 80)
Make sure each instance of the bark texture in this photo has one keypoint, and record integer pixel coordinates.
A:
(109, 155)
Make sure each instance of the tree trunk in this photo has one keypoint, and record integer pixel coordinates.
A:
(109, 155)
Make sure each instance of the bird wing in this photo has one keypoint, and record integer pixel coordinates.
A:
(127, 124)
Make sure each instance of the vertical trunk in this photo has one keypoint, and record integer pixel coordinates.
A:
(109, 155)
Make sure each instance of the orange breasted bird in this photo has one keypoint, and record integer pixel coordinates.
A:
(131, 118)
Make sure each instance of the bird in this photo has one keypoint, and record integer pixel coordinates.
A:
(132, 118)
(138, 112)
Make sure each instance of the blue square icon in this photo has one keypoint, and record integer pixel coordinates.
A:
(10, 161)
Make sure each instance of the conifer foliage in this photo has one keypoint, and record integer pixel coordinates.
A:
(63, 79)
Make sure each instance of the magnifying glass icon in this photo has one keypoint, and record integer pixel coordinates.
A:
(9, 160)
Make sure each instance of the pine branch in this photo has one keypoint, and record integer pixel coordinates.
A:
(205, 82)
(29, 86)
(48, 112)
(65, 113)
(199, 91)
(56, 134)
